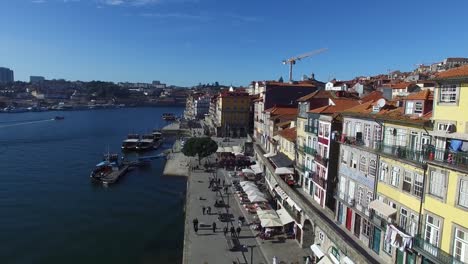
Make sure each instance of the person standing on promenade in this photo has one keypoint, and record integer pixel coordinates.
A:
(203, 209)
(208, 210)
(195, 224)
(225, 230)
(238, 230)
(214, 227)
(233, 231)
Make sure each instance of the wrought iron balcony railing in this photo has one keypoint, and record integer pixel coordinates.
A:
(309, 150)
(435, 253)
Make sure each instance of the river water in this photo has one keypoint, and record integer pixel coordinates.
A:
(50, 211)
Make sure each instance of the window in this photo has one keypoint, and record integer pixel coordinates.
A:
(320, 132)
(418, 108)
(362, 165)
(448, 94)
(418, 185)
(372, 168)
(353, 160)
(403, 218)
(344, 156)
(395, 179)
(432, 231)
(463, 194)
(369, 197)
(366, 227)
(367, 132)
(383, 172)
(437, 184)
(377, 133)
(460, 249)
(360, 198)
(409, 107)
(407, 181)
(326, 131)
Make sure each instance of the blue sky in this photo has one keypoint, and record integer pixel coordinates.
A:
(185, 42)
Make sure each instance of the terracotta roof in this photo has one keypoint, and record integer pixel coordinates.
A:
(289, 134)
(454, 73)
(400, 85)
(275, 110)
(421, 95)
(373, 96)
(284, 123)
(340, 106)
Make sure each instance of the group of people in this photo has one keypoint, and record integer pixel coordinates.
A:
(232, 230)
(195, 226)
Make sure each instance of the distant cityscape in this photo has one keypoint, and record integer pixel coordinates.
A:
(40, 94)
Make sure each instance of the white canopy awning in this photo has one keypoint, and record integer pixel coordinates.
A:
(284, 170)
(236, 149)
(347, 260)
(382, 208)
(284, 216)
(257, 198)
(270, 222)
(293, 204)
(277, 137)
(227, 149)
(254, 192)
(269, 155)
(220, 149)
(317, 251)
(249, 187)
(326, 260)
(256, 168)
(248, 171)
(263, 212)
(281, 193)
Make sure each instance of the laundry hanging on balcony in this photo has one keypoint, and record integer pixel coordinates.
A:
(397, 238)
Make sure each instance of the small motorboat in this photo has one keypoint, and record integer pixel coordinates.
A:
(59, 118)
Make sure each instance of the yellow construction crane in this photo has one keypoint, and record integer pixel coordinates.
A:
(292, 61)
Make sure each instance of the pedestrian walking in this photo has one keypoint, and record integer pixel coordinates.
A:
(195, 223)
(233, 231)
(208, 210)
(239, 223)
(203, 209)
(225, 189)
(219, 181)
(225, 230)
(214, 227)
(196, 229)
(238, 230)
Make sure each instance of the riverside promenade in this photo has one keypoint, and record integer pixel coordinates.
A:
(206, 246)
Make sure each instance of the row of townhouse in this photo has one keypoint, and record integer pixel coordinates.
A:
(374, 180)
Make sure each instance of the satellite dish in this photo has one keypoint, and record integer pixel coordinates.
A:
(381, 102)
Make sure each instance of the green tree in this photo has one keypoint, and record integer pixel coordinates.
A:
(203, 147)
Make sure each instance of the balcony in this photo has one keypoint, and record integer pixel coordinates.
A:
(448, 157)
(309, 150)
(419, 154)
(300, 148)
(318, 180)
(300, 167)
(432, 252)
(310, 129)
(321, 160)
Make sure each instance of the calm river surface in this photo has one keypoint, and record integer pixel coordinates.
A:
(50, 212)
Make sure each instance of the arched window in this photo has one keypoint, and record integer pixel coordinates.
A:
(362, 164)
(372, 168)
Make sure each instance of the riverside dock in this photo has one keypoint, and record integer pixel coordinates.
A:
(115, 175)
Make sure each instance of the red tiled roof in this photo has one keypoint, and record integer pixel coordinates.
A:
(275, 110)
(400, 85)
(340, 106)
(287, 84)
(421, 95)
(453, 73)
(373, 96)
(289, 134)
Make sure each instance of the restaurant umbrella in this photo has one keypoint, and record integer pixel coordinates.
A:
(256, 198)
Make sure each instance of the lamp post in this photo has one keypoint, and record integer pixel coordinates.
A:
(251, 253)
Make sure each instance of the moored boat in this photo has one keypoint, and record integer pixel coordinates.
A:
(168, 116)
(131, 142)
(146, 143)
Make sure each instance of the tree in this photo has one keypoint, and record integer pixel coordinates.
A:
(203, 147)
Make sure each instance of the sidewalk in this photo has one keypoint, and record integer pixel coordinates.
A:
(286, 251)
(206, 246)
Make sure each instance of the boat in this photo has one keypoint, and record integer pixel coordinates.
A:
(158, 139)
(146, 143)
(109, 164)
(168, 116)
(59, 118)
(131, 142)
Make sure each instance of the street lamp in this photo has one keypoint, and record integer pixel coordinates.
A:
(251, 253)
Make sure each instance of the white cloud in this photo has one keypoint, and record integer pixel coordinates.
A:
(176, 16)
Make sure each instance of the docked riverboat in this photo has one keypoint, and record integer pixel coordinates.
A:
(131, 142)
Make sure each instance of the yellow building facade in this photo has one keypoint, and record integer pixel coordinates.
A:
(444, 236)
(233, 114)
